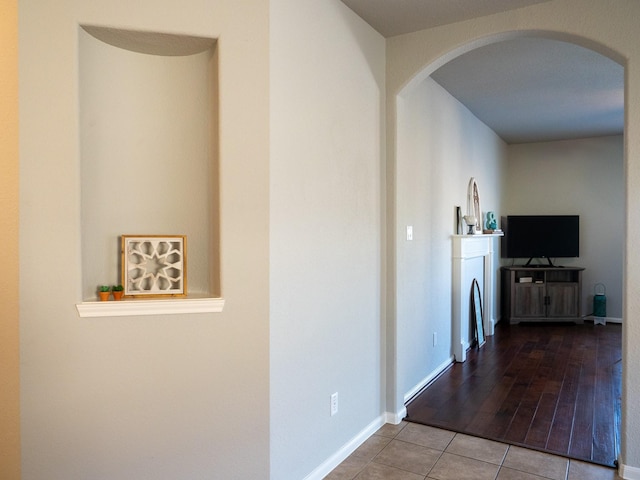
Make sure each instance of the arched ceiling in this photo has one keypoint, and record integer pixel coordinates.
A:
(536, 89)
(525, 89)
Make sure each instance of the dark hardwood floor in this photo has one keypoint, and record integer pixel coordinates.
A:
(549, 387)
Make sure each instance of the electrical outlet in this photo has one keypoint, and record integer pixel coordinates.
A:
(435, 338)
(334, 404)
(409, 232)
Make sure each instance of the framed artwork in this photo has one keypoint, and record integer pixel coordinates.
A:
(476, 313)
(154, 265)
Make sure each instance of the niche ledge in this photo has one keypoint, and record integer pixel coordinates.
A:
(135, 307)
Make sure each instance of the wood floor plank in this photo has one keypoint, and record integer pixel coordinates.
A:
(538, 433)
(550, 387)
(604, 432)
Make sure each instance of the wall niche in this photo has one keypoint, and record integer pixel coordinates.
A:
(148, 124)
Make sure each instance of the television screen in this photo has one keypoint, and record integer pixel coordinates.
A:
(541, 236)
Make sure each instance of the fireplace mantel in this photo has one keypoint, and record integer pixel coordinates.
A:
(467, 251)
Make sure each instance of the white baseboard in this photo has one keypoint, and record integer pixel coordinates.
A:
(427, 380)
(628, 473)
(395, 418)
(347, 449)
(606, 319)
(491, 327)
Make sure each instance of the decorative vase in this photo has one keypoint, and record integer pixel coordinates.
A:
(470, 220)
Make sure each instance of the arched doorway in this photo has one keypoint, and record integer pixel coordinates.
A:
(416, 67)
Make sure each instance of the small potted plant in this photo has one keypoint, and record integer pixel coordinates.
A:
(117, 291)
(104, 291)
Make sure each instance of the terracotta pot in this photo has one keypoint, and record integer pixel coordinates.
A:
(117, 295)
(104, 296)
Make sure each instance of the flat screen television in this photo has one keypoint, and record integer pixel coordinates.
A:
(541, 236)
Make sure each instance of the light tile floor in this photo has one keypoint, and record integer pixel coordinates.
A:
(409, 451)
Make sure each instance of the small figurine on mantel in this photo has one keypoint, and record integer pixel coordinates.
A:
(491, 225)
(491, 222)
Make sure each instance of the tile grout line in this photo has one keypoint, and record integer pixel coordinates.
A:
(500, 465)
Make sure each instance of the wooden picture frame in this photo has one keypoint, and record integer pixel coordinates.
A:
(476, 314)
(154, 265)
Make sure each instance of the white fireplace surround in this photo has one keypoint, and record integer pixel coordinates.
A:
(467, 249)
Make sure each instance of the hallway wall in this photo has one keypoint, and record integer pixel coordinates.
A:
(441, 145)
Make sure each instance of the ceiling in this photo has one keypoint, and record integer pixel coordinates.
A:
(526, 89)
(395, 17)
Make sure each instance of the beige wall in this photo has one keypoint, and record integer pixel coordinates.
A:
(9, 330)
(327, 91)
(163, 396)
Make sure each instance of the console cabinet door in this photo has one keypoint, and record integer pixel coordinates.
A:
(563, 299)
(529, 300)
(542, 294)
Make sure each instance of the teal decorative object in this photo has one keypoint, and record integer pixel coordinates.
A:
(599, 304)
(491, 222)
